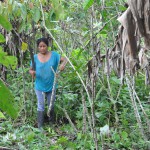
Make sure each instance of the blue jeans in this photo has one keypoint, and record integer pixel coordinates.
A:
(41, 96)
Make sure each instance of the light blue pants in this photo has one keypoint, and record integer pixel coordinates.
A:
(41, 97)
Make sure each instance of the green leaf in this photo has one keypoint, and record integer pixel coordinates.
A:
(62, 140)
(116, 137)
(5, 23)
(24, 11)
(124, 135)
(98, 114)
(116, 80)
(36, 14)
(122, 8)
(79, 136)
(87, 4)
(2, 39)
(30, 136)
(7, 103)
(58, 10)
(2, 116)
(22, 27)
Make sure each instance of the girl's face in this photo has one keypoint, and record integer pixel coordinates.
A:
(42, 48)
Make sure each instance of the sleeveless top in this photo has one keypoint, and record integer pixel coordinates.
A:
(44, 74)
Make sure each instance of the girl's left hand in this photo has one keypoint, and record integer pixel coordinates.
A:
(61, 67)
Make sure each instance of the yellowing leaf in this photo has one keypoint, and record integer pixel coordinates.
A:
(2, 116)
(24, 46)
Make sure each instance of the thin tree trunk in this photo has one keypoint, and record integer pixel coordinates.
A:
(84, 112)
(93, 83)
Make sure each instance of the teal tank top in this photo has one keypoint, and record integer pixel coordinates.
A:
(44, 75)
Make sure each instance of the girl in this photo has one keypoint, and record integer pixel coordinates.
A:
(46, 63)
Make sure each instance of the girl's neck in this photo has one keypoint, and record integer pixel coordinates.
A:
(44, 54)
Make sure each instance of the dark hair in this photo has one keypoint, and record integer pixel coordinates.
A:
(45, 40)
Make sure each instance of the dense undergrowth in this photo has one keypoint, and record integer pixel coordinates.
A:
(22, 133)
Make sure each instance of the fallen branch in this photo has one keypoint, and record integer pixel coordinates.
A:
(67, 116)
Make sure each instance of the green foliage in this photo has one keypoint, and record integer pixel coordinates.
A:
(125, 136)
(8, 61)
(25, 100)
(79, 60)
(23, 138)
(84, 141)
(7, 101)
(121, 140)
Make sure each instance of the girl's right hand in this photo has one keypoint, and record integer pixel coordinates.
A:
(32, 72)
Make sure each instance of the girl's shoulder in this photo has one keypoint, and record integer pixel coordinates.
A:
(55, 53)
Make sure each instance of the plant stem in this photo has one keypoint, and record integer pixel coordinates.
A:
(147, 119)
(137, 115)
(84, 112)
